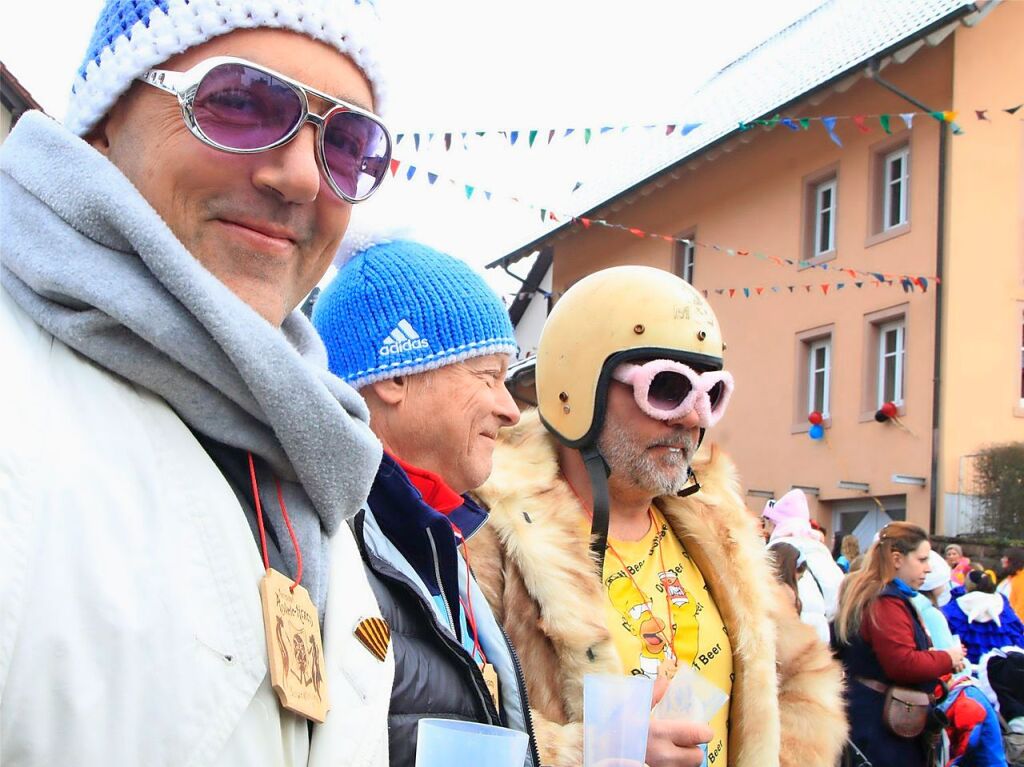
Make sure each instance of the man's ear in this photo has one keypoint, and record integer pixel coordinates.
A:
(99, 136)
(391, 391)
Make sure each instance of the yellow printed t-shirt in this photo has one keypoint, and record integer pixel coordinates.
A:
(671, 593)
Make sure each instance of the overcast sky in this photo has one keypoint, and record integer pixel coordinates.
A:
(482, 65)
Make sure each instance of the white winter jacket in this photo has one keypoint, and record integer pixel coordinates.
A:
(131, 630)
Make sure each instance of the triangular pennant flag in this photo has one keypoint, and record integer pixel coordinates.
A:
(431, 177)
(637, 232)
(513, 136)
(908, 119)
(940, 116)
(416, 141)
(552, 216)
(772, 122)
(1013, 110)
(791, 287)
(487, 194)
(604, 130)
(878, 276)
(840, 285)
(690, 127)
(720, 291)
(807, 288)
(585, 221)
(430, 138)
(883, 120)
(824, 288)
(394, 166)
(851, 272)
(775, 288)
(447, 141)
(859, 285)
(568, 132)
(746, 292)
(669, 130)
(469, 192)
(551, 135)
(907, 285)
(949, 115)
(532, 137)
(576, 186)
(543, 214)
(481, 133)
(923, 283)
(805, 123)
(586, 135)
(732, 292)
(858, 120)
(410, 173)
(830, 126)
(759, 291)
(398, 138)
(743, 126)
(981, 114)
(789, 123)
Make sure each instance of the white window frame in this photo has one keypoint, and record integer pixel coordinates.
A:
(819, 212)
(898, 357)
(1022, 359)
(902, 183)
(687, 256)
(825, 371)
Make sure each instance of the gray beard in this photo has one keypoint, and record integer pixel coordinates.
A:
(633, 462)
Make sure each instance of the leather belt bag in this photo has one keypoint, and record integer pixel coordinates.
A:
(905, 710)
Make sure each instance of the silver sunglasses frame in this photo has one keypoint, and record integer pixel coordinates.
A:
(185, 85)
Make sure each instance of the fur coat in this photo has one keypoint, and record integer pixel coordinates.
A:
(533, 563)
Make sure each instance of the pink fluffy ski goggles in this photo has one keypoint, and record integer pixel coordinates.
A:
(668, 390)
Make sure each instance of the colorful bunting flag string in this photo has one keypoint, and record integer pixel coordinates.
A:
(547, 214)
(822, 288)
(539, 136)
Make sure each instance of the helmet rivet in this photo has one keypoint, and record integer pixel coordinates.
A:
(566, 410)
(639, 329)
(564, 396)
(724, 346)
(701, 335)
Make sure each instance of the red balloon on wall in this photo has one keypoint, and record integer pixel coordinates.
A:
(815, 417)
(889, 410)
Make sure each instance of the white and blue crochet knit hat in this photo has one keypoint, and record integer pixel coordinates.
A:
(133, 36)
(399, 307)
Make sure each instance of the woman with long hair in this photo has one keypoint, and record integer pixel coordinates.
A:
(883, 643)
(789, 566)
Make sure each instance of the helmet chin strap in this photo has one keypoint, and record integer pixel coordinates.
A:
(598, 470)
(694, 485)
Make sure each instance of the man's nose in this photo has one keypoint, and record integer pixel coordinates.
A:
(686, 421)
(291, 171)
(505, 407)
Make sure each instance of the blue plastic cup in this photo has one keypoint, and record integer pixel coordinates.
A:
(616, 715)
(448, 742)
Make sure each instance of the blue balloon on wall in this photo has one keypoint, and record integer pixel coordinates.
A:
(817, 431)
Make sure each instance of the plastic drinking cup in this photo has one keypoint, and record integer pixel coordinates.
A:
(616, 715)
(448, 742)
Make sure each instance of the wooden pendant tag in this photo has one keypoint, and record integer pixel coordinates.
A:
(294, 648)
(491, 680)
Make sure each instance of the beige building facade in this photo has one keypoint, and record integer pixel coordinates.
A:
(919, 201)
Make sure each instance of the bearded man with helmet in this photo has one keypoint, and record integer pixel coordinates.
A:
(600, 487)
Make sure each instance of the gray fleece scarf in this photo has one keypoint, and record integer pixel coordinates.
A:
(90, 261)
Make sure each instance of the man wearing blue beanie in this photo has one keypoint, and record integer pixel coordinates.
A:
(427, 344)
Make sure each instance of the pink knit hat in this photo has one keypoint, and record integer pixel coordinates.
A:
(790, 514)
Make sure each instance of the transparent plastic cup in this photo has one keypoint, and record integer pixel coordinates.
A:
(448, 742)
(616, 715)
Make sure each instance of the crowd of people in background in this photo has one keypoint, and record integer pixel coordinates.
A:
(936, 635)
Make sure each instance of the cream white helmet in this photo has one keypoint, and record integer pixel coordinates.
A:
(612, 316)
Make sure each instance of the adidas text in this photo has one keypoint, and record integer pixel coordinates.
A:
(404, 346)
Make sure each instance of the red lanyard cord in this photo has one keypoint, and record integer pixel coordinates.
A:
(287, 522)
(468, 604)
(661, 557)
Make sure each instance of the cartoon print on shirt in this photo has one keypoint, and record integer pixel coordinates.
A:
(639, 619)
(682, 609)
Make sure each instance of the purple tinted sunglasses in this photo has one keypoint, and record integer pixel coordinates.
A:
(668, 390)
(236, 106)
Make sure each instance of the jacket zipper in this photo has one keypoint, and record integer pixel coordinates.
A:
(521, 681)
(440, 586)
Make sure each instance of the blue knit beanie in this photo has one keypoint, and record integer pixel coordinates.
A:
(400, 307)
(134, 36)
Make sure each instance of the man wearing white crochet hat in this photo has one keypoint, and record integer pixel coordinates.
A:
(178, 584)
(428, 344)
